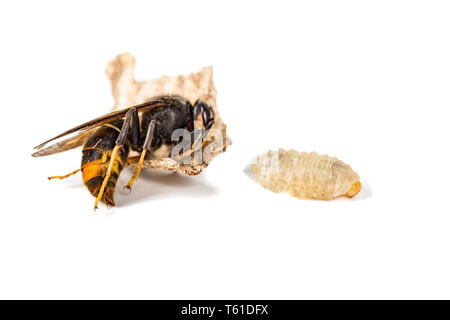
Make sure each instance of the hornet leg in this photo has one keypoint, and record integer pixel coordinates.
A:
(65, 176)
(120, 142)
(69, 174)
(147, 144)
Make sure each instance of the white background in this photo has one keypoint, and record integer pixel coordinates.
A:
(365, 81)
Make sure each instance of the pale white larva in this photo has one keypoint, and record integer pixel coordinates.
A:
(306, 175)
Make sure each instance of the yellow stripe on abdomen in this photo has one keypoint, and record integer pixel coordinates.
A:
(98, 168)
(92, 170)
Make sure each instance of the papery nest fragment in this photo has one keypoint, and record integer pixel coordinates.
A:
(195, 86)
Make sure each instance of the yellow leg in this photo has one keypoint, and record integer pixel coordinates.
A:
(145, 147)
(63, 177)
(108, 174)
(137, 170)
(72, 173)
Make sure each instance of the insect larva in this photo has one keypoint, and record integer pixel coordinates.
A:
(306, 175)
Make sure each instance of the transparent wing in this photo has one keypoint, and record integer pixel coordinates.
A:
(86, 127)
(65, 145)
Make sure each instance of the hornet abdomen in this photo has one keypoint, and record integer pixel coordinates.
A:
(96, 158)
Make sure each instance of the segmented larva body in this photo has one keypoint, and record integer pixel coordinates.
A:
(306, 175)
